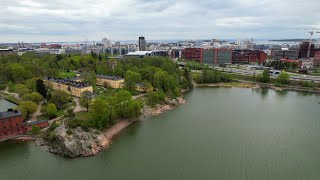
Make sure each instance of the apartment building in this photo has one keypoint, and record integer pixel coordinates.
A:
(72, 87)
(110, 81)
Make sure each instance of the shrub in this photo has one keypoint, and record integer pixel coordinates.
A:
(69, 132)
(52, 136)
(74, 123)
(35, 129)
(283, 78)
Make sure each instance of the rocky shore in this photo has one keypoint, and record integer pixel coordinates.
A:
(80, 143)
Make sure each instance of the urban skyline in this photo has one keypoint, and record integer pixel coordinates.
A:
(46, 21)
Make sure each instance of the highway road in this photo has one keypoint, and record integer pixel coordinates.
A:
(293, 76)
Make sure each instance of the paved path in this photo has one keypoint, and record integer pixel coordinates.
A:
(38, 113)
(78, 107)
(138, 96)
(15, 95)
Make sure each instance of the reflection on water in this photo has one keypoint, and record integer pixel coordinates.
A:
(262, 91)
(221, 133)
(282, 93)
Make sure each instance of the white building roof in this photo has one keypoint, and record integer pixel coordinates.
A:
(139, 53)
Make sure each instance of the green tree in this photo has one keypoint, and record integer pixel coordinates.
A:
(27, 108)
(187, 75)
(283, 78)
(21, 89)
(31, 84)
(89, 77)
(60, 99)
(154, 98)
(41, 88)
(131, 79)
(85, 99)
(100, 114)
(100, 57)
(265, 76)
(147, 86)
(51, 110)
(34, 97)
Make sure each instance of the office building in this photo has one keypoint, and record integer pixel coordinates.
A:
(142, 44)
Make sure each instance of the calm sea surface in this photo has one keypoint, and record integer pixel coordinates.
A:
(221, 133)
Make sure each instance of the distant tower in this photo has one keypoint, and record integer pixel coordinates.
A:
(251, 43)
(142, 44)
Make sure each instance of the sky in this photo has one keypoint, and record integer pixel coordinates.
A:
(70, 20)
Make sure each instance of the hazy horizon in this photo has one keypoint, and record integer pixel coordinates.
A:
(64, 21)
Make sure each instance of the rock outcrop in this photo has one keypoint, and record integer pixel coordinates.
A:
(79, 143)
(169, 104)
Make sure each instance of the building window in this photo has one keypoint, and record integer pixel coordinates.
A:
(17, 124)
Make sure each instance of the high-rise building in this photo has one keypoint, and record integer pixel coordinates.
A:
(106, 43)
(142, 44)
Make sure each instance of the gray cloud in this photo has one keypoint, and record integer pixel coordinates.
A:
(62, 20)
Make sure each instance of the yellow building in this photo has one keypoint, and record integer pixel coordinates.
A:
(110, 81)
(72, 87)
(140, 87)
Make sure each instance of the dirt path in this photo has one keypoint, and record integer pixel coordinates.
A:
(15, 95)
(38, 113)
(138, 96)
(78, 107)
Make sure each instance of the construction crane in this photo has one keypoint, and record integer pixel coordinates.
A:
(312, 32)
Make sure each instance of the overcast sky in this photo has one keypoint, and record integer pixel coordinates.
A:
(71, 20)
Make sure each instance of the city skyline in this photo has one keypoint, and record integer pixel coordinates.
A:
(48, 21)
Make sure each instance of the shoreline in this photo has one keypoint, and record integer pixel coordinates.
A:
(249, 84)
(83, 143)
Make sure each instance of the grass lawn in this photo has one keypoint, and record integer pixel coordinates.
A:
(65, 75)
(315, 74)
(83, 116)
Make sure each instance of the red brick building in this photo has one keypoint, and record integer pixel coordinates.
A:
(316, 60)
(248, 56)
(11, 124)
(193, 54)
(41, 124)
(292, 61)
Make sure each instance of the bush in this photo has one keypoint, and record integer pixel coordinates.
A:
(2, 86)
(52, 136)
(34, 97)
(283, 78)
(51, 110)
(53, 126)
(309, 84)
(86, 125)
(74, 123)
(70, 113)
(154, 98)
(35, 129)
(69, 132)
